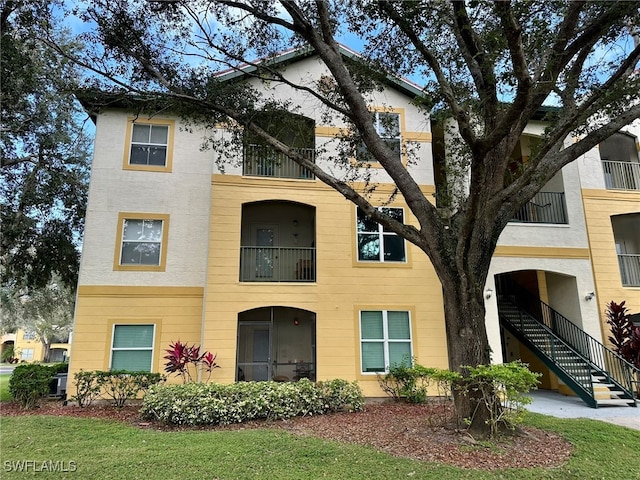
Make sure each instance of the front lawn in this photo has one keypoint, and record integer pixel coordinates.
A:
(101, 449)
(5, 396)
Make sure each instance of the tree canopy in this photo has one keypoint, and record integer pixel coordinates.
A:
(45, 152)
(487, 67)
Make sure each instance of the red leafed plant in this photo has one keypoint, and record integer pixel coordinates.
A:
(181, 357)
(625, 336)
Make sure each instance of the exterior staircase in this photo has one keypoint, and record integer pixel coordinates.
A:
(595, 373)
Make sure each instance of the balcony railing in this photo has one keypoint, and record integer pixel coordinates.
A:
(264, 161)
(621, 175)
(545, 207)
(277, 264)
(629, 269)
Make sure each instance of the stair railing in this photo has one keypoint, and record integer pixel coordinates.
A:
(553, 351)
(615, 368)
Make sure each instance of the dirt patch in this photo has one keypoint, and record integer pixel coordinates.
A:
(403, 430)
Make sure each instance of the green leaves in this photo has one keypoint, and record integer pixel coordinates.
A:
(44, 149)
(216, 404)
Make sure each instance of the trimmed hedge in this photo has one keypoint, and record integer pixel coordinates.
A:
(217, 404)
(116, 385)
(29, 383)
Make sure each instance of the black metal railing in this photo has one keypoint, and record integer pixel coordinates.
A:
(629, 269)
(545, 207)
(615, 368)
(621, 175)
(264, 161)
(569, 365)
(277, 264)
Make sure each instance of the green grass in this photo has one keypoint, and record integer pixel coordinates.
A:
(111, 450)
(4, 387)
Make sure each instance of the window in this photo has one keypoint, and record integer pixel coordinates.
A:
(29, 336)
(387, 125)
(132, 347)
(385, 339)
(376, 243)
(149, 145)
(26, 354)
(141, 241)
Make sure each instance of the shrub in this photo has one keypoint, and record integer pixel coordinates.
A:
(625, 335)
(501, 389)
(29, 383)
(411, 383)
(216, 404)
(339, 395)
(118, 386)
(87, 388)
(181, 357)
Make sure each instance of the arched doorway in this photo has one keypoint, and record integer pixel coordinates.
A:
(276, 343)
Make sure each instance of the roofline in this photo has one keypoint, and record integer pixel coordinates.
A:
(408, 87)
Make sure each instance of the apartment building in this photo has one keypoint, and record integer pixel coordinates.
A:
(259, 262)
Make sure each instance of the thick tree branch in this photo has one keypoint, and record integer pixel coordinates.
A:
(480, 66)
(460, 114)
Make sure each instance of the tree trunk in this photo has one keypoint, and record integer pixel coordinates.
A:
(467, 345)
(47, 352)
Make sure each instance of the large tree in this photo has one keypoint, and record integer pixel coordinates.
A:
(488, 67)
(44, 151)
(45, 311)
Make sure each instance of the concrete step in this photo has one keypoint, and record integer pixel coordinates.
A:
(615, 402)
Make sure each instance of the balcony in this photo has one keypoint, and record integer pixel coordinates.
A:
(277, 264)
(619, 175)
(545, 207)
(278, 242)
(264, 161)
(629, 269)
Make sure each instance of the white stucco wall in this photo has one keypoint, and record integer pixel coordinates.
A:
(590, 165)
(574, 234)
(307, 72)
(183, 194)
(586, 314)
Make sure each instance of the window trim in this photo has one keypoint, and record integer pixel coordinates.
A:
(127, 323)
(385, 340)
(28, 335)
(381, 233)
(168, 166)
(403, 135)
(28, 358)
(122, 216)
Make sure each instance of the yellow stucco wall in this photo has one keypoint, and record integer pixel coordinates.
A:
(343, 287)
(23, 344)
(599, 206)
(175, 311)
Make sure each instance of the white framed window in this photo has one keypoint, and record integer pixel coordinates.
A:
(26, 354)
(377, 244)
(385, 339)
(149, 144)
(132, 347)
(29, 336)
(387, 125)
(141, 241)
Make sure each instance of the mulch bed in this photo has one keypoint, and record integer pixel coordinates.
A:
(411, 431)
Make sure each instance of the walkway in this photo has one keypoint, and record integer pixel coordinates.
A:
(562, 406)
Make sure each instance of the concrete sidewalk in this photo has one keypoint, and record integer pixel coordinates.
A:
(562, 406)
